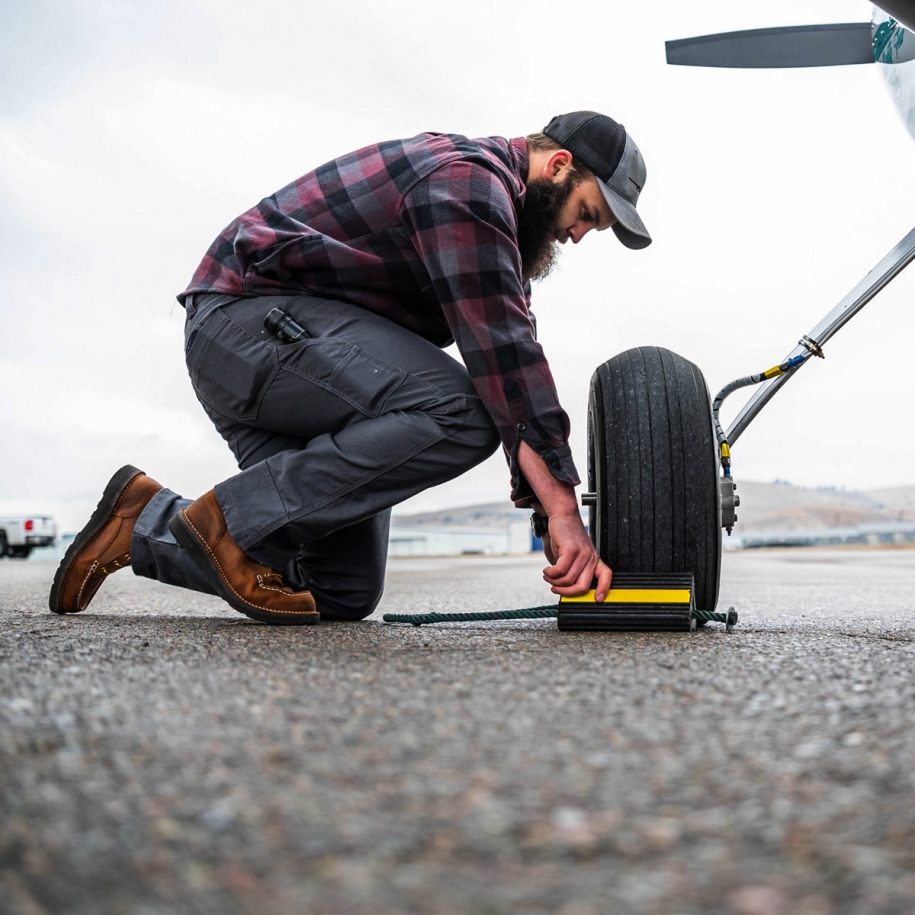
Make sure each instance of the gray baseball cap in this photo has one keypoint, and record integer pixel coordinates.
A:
(603, 146)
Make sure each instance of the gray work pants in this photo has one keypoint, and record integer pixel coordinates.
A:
(329, 433)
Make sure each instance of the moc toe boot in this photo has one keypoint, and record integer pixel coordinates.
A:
(103, 545)
(246, 585)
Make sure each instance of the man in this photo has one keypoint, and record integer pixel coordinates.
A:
(378, 259)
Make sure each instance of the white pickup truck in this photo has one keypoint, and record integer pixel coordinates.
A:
(19, 534)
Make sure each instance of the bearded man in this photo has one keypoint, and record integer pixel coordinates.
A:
(377, 260)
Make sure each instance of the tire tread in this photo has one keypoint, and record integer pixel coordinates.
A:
(652, 462)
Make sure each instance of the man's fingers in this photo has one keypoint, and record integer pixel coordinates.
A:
(604, 577)
(581, 578)
(575, 564)
(576, 581)
(566, 570)
(560, 567)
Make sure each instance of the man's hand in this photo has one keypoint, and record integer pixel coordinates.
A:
(574, 562)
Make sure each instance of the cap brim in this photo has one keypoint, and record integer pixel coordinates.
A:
(629, 228)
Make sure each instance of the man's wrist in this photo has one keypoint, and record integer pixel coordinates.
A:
(566, 507)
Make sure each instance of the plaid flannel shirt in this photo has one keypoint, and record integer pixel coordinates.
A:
(424, 232)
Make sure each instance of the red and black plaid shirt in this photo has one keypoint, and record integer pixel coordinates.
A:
(424, 232)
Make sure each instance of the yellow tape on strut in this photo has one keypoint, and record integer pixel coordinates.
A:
(633, 596)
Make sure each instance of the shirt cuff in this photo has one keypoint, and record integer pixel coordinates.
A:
(557, 459)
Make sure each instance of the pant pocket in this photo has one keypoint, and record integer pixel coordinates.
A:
(230, 370)
(370, 385)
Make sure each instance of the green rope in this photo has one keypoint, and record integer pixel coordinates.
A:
(531, 613)
(417, 619)
(708, 616)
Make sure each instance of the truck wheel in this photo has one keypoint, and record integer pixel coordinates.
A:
(652, 463)
(20, 552)
(4, 545)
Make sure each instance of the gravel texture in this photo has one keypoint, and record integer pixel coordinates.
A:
(160, 753)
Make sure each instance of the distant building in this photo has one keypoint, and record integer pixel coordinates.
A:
(493, 529)
(455, 539)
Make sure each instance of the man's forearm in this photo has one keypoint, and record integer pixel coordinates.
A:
(557, 498)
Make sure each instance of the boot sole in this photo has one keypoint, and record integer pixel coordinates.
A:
(100, 517)
(189, 541)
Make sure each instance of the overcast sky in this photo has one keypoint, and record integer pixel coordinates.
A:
(131, 133)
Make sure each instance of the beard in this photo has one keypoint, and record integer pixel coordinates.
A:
(537, 225)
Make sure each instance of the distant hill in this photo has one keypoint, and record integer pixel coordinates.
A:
(781, 506)
(763, 506)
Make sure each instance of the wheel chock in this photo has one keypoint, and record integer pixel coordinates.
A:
(636, 602)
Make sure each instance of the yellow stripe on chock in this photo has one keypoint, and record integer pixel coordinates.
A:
(633, 596)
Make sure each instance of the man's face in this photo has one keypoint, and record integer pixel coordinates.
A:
(585, 209)
(557, 208)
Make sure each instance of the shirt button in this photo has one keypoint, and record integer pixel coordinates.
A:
(520, 427)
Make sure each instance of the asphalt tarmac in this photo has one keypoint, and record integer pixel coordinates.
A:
(160, 753)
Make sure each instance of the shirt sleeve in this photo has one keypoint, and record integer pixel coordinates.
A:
(463, 225)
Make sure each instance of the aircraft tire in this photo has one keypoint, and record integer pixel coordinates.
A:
(652, 463)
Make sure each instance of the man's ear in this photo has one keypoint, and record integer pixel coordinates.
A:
(557, 163)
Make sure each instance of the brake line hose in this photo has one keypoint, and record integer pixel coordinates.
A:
(724, 449)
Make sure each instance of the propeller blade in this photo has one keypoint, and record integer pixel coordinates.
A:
(788, 46)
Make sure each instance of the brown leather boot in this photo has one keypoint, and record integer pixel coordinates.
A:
(244, 584)
(103, 545)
